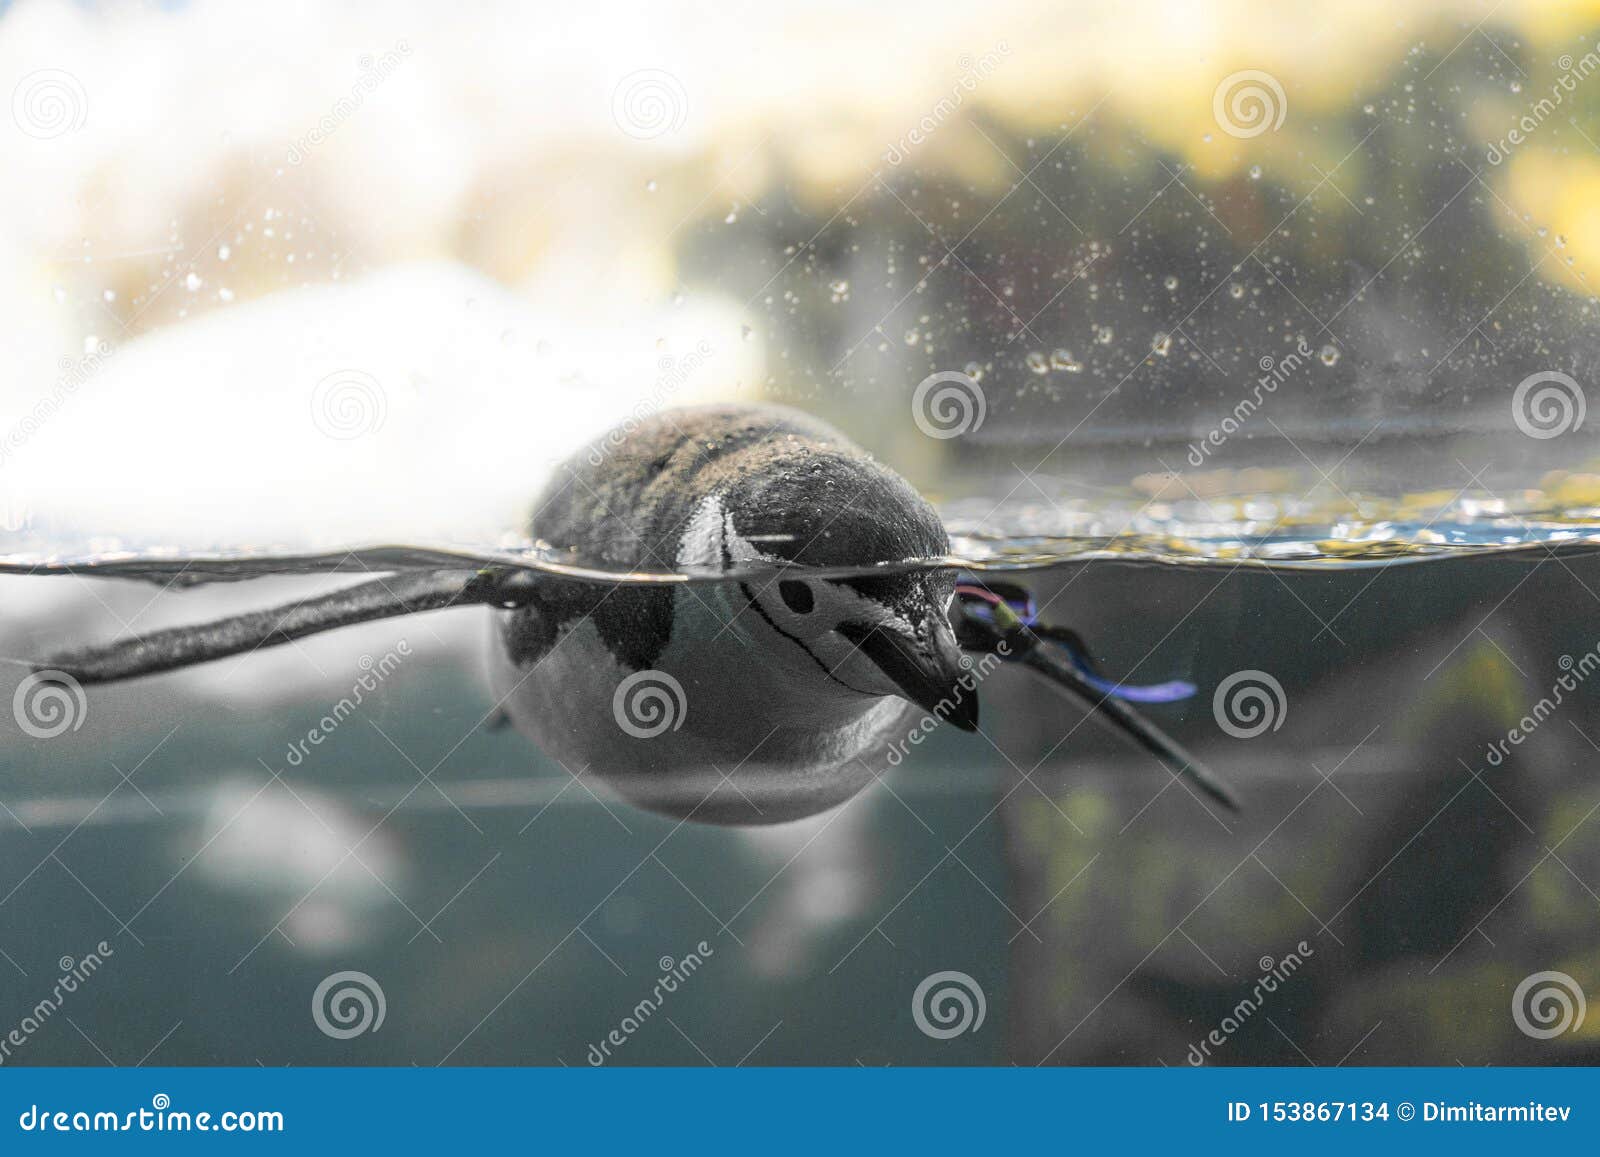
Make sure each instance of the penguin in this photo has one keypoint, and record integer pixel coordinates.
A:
(754, 701)
(774, 693)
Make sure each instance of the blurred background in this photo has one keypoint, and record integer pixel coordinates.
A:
(1211, 284)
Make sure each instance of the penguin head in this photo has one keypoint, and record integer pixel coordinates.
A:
(860, 637)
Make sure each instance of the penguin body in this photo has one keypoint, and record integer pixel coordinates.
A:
(746, 702)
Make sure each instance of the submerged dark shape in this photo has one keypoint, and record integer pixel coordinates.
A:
(752, 701)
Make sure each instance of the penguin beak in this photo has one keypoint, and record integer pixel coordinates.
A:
(929, 674)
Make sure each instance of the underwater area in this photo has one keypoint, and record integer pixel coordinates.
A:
(1260, 358)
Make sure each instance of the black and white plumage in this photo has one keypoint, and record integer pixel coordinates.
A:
(752, 701)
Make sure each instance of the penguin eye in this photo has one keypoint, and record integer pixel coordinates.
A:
(797, 596)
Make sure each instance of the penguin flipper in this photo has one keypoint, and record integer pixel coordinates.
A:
(166, 650)
(1128, 722)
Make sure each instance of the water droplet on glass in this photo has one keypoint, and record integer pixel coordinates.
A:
(1060, 359)
(1104, 334)
(649, 186)
(745, 332)
(1037, 362)
(1170, 282)
(1161, 345)
(1236, 291)
(224, 252)
(59, 294)
(225, 295)
(1516, 86)
(1329, 355)
(1255, 172)
(973, 370)
(192, 282)
(912, 337)
(110, 295)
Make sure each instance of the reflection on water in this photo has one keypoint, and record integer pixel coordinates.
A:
(1226, 517)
